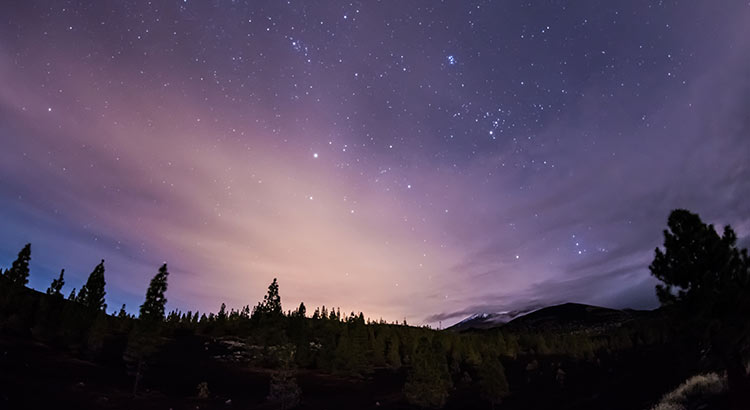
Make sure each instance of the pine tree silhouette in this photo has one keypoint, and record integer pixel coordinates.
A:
(122, 314)
(705, 280)
(152, 310)
(18, 274)
(92, 293)
(222, 315)
(57, 284)
(271, 304)
(272, 300)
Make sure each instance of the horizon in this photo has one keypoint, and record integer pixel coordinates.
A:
(428, 163)
(113, 310)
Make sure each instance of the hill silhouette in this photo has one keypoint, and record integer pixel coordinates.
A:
(571, 316)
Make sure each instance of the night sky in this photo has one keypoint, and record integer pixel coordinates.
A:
(410, 159)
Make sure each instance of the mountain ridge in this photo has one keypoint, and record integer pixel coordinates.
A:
(564, 316)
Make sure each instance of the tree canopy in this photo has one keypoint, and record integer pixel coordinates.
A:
(697, 264)
(152, 309)
(301, 310)
(493, 385)
(19, 272)
(92, 293)
(706, 282)
(271, 304)
(57, 284)
(428, 383)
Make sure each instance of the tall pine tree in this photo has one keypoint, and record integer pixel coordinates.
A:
(272, 301)
(152, 310)
(301, 310)
(57, 284)
(706, 286)
(18, 274)
(92, 293)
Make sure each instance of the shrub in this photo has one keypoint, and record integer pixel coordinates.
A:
(694, 389)
(284, 390)
(203, 392)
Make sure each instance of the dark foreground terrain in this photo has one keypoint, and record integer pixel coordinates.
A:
(34, 375)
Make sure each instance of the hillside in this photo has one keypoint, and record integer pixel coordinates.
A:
(572, 316)
(488, 320)
(566, 316)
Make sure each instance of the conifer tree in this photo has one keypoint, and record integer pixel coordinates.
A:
(143, 340)
(19, 273)
(152, 309)
(271, 304)
(706, 283)
(377, 346)
(493, 385)
(56, 287)
(428, 382)
(272, 300)
(222, 315)
(92, 293)
(72, 295)
(345, 357)
(301, 310)
(122, 314)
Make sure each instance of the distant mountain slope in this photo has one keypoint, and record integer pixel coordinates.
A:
(567, 316)
(488, 320)
(570, 316)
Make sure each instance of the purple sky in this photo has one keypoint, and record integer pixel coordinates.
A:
(423, 160)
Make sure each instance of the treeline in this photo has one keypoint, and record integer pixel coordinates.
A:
(265, 335)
